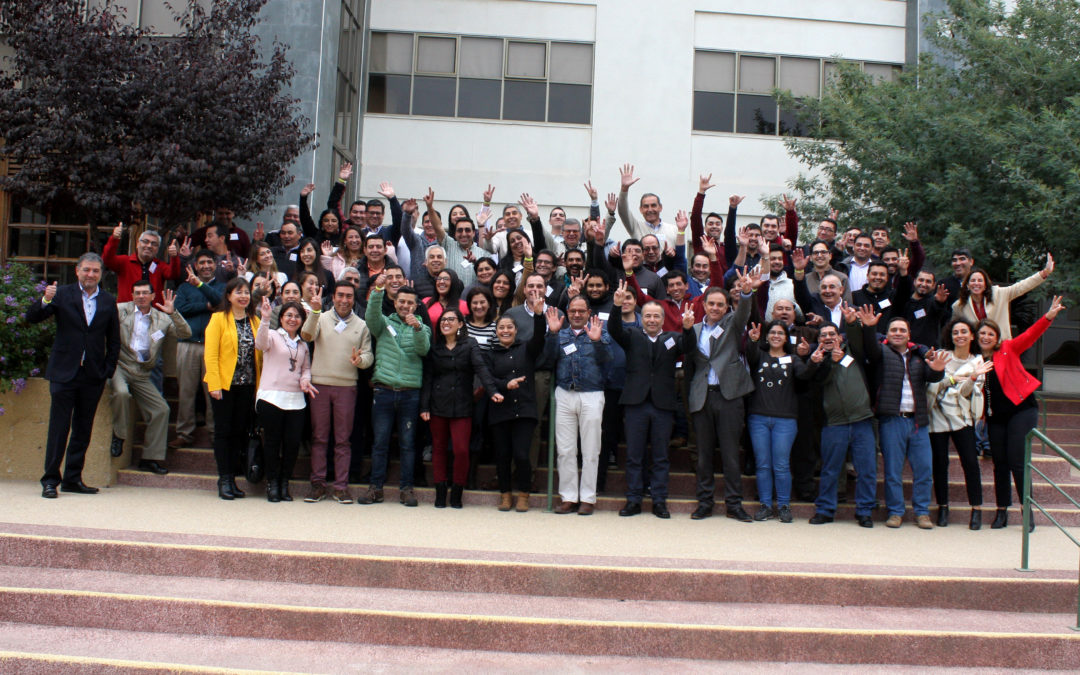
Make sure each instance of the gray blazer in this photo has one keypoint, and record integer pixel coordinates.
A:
(735, 380)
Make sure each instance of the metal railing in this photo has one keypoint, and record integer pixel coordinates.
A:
(1029, 502)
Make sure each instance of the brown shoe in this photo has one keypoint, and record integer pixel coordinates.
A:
(342, 497)
(522, 504)
(585, 509)
(370, 496)
(566, 507)
(504, 501)
(318, 493)
(923, 522)
(894, 521)
(407, 497)
(180, 442)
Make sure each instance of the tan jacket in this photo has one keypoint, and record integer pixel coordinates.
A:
(998, 310)
(161, 324)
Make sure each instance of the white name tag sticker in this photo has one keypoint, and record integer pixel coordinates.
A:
(717, 332)
(390, 329)
(920, 313)
(661, 272)
(466, 263)
(570, 348)
(847, 361)
(292, 257)
(234, 237)
(678, 364)
(481, 339)
(784, 360)
(884, 304)
(604, 316)
(518, 267)
(157, 335)
(644, 291)
(341, 326)
(153, 266)
(670, 343)
(548, 292)
(792, 340)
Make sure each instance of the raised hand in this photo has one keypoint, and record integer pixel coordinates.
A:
(173, 250)
(611, 202)
(1046, 271)
(819, 354)
(688, 318)
(744, 237)
(591, 190)
(527, 248)
(118, 231)
(168, 304)
(380, 281)
(595, 328)
(937, 358)
(754, 333)
(554, 321)
(316, 300)
(982, 369)
(411, 320)
(734, 201)
(535, 300)
(429, 199)
(192, 278)
(185, 248)
(814, 319)
(386, 189)
(227, 263)
(327, 248)
(620, 294)
(307, 189)
(904, 263)
(803, 348)
(704, 183)
(530, 205)
(911, 232)
(743, 281)
(265, 309)
(788, 204)
(849, 313)
(709, 246)
(346, 171)
(756, 278)
(489, 193)
(1055, 308)
(628, 263)
(942, 293)
(837, 354)
(50, 292)
(834, 215)
(868, 316)
(680, 221)
(577, 284)
(626, 176)
(409, 206)
(260, 232)
(669, 250)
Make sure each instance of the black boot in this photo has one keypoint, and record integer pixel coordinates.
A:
(273, 489)
(943, 515)
(236, 491)
(224, 490)
(976, 518)
(283, 489)
(455, 496)
(440, 495)
(1000, 520)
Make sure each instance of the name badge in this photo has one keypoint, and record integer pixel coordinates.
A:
(920, 313)
(784, 360)
(669, 343)
(570, 348)
(481, 339)
(847, 361)
(548, 292)
(157, 335)
(466, 263)
(604, 316)
(518, 267)
(884, 304)
(390, 329)
(644, 291)
(792, 340)
(678, 364)
(341, 326)
(717, 332)
(661, 272)
(234, 237)
(292, 257)
(153, 266)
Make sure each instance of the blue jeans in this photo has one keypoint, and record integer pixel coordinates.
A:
(835, 441)
(404, 406)
(902, 438)
(772, 438)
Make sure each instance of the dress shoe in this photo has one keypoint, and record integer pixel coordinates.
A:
(456, 493)
(566, 507)
(630, 509)
(585, 509)
(943, 516)
(820, 519)
(923, 522)
(48, 491)
(660, 510)
(223, 489)
(79, 488)
(152, 466)
(739, 514)
(236, 491)
(764, 513)
(785, 514)
(864, 521)
(505, 501)
(976, 518)
(894, 522)
(117, 447)
(180, 442)
(1000, 520)
(701, 512)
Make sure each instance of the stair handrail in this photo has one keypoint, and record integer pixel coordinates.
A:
(1030, 501)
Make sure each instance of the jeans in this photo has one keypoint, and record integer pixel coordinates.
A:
(902, 438)
(646, 423)
(772, 438)
(835, 440)
(388, 405)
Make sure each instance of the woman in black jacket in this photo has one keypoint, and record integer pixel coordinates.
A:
(446, 400)
(512, 411)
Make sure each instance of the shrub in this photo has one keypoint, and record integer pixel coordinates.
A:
(24, 347)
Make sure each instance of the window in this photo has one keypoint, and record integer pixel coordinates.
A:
(152, 14)
(480, 78)
(733, 92)
(347, 96)
(49, 242)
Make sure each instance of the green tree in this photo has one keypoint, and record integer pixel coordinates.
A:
(984, 155)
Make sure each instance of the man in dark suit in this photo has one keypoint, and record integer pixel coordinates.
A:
(719, 379)
(83, 357)
(649, 397)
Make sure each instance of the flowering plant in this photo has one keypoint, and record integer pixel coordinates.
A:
(24, 347)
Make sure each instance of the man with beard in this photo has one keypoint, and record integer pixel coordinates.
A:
(820, 265)
(827, 303)
(879, 294)
(926, 310)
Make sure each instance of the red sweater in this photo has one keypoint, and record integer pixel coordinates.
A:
(672, 311)
(129, 270)
(1016, 382)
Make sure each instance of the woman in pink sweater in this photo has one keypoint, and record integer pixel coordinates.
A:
(280, 402)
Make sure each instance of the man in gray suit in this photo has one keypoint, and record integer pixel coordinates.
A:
(718, 380)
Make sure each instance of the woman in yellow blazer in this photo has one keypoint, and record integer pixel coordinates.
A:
(233, 366)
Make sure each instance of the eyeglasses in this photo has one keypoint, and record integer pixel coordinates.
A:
(463, 230)
(448, 319)
(819, 253)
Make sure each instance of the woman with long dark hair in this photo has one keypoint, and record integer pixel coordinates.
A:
(485, 270)
(1011, 410)
(307, 260)
(233, 366)
(503, 288)
(349, 254)
(981, 299)
(448, 288)
(481, 327)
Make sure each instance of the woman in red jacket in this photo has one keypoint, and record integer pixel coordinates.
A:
(1011, 410)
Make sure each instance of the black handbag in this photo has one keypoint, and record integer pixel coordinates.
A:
(254, 468)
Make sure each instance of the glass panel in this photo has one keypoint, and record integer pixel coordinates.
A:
(757, 74)
(829, 73)
(881, 71)
(571, 63)
(24, 213)
(6, 52)
(436, 55)
(526, 59)
(64, 211)
(800, 76)
(156, 14)
(433, 96)
(479, 98)
(481, 57)
(714, 71)
(524, 101)
(790, 125)
(26, 242)
(569, 103)
(391, 53)
(714, 112)
(388, 94)
(755, 115)
(129, 9)
(64, 244)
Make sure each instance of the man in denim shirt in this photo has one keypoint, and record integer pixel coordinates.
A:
(584, 352)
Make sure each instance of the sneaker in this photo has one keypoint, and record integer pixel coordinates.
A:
(923, 522)
(342, 497)
(371, 496)
(894, 522)
(318, 493)
(785, 514)
(764, 513)
(407, 497)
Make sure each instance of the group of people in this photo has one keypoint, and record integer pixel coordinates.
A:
(339, 332)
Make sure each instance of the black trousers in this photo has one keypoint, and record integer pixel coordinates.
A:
(71, 420)
(647, 425)
(719, 423)
(281, 438)
(609, 435)
(964, 440)
(232, 421)
(512, 441)
(806, 450)
(1007, 450)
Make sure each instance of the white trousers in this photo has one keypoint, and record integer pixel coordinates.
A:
(578, 412)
